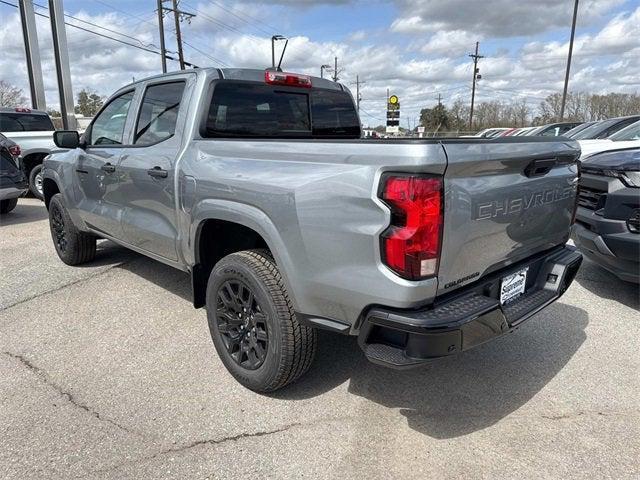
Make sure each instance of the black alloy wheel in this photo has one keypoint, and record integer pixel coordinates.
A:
(242, 324)
(57, 227)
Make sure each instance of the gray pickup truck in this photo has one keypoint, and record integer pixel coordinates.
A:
(258, 184)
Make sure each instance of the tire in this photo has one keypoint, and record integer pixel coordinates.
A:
(35, 182)
(7, 205)
(72, 246)
(266, 323)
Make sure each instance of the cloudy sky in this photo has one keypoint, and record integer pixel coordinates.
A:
(416, 48)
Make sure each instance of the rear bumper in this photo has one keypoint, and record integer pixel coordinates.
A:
(406, 338)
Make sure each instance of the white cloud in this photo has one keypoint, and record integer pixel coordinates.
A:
(496, 18)
(605, 60)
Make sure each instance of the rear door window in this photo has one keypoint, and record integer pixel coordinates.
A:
(25, 122)
(159, 113)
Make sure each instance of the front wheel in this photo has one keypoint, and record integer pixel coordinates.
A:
(72, 246)
(35, 182)
(252, 323)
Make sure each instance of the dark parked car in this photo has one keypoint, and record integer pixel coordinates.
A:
(605, 128)
(607, 228)
(552, 129)
(13, 183)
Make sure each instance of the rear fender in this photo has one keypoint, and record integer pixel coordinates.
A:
(250, 217)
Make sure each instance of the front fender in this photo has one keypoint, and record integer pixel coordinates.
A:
(250, 217)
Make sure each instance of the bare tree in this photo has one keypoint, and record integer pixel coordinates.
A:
(10, 96)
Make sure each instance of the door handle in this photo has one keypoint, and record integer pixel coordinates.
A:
(157, 172)
(107, 167)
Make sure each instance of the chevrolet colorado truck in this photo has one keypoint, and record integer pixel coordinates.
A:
(258, 184)
(32, 130)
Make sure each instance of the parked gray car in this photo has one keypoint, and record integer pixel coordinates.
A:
(257, 183)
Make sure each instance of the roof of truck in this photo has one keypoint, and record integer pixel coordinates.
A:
(22, 110)
(247, 74)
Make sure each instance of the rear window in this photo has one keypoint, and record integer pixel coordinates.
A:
(253, 110)
(24, 122)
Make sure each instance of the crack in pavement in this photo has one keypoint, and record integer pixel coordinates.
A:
(70, 284)
(197, 443)
(44, 376)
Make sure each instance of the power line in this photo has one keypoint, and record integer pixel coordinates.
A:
(237, 15)
(102, 35)
(153, 24)
(220, 62)
(148, 45)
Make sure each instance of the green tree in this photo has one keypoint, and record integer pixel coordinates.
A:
(88, 103)
(435, 119)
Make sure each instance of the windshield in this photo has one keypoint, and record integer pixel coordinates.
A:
(632, 132)
(594, 130)
(575, 130)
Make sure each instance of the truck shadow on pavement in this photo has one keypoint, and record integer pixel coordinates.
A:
(458, 395)
(604, 284)
(449, 398)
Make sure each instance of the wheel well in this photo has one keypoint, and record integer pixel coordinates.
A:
(32, 160)
(217, 239)
(49, 189)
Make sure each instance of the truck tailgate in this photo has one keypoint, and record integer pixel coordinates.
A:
(504, 200)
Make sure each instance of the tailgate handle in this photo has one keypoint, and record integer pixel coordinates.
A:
(540, 167)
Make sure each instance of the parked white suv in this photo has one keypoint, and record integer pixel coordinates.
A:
(33, 131)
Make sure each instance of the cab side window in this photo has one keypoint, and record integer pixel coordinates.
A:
(108, 126)
(159, 113)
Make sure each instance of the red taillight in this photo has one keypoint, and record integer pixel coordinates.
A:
(14, 150)
(411, 244)
(289, 79)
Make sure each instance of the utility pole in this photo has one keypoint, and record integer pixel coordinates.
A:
(439, 99)
(475, 57)
(179, 16)
(566, 77)
(163, 50)
(357, 84)
(335, 69)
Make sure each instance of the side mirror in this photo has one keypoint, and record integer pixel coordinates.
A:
(66, 139)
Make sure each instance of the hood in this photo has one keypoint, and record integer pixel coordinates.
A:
(626, 160)
(591, 147)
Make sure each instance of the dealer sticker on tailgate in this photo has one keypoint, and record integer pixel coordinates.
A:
(513, 286)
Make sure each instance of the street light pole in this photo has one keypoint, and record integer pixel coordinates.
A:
(322, 69)
(274, 38)
(566, 77)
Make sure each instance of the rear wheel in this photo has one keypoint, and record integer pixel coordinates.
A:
(7, 205)
(253, 325)
(72, 246)
(35, 182)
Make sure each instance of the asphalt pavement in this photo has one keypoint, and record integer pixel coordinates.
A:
(106, 371)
